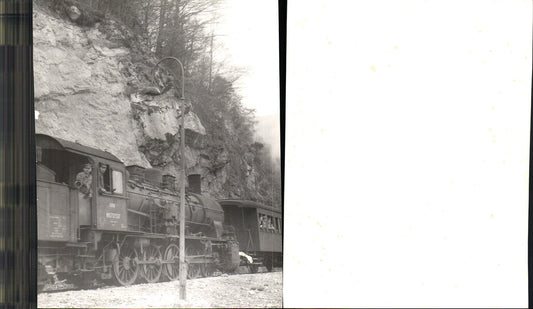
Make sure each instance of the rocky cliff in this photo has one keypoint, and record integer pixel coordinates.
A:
(91, 86)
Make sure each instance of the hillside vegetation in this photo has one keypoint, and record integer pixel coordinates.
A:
(96, 83)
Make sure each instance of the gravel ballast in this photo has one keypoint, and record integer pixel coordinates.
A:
(262, 290)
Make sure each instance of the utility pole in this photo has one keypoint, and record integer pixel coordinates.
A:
(211, 62)
(183, 109)
(183, 266)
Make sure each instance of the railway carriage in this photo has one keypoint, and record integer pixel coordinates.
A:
(258, 229)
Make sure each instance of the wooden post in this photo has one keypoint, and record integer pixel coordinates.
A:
(183, 266)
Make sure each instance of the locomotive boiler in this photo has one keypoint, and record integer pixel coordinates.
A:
(98, 219)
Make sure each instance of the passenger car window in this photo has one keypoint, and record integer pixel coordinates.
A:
(276, 224)
(270, 224)
(262, 221)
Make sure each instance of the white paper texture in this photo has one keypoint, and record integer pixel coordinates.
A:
(407, 153)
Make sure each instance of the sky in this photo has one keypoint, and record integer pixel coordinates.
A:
(247, 37)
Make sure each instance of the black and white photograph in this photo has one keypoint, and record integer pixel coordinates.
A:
(157, 149)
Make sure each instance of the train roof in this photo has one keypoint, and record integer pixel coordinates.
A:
(49, 142)
(247, 204)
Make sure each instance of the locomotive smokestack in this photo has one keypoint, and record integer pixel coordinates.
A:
(153, 176)
(195, 183)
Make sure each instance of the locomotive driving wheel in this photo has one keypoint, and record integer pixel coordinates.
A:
(125, 268)
(194, 270)
(153, 269)
(172, 270)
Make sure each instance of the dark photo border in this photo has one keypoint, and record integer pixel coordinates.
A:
(18, 226)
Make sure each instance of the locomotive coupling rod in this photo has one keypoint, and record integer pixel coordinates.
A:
(193, 259)
(199, 259)
(157, 262)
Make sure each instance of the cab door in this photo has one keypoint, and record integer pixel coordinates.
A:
(111, 206)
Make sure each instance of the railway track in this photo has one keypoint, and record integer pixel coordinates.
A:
(261, 290)
(65, 286)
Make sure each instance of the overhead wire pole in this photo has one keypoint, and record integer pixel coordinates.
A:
(182, 265)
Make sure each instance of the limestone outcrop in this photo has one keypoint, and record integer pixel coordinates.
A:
(88, 90)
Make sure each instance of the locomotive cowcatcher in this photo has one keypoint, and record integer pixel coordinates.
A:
(123, 225)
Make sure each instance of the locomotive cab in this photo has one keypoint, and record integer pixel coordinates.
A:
(72, 191)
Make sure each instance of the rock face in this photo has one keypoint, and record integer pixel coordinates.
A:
(79, 92)
(91, 89)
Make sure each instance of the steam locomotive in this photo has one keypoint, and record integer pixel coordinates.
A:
(123, 224)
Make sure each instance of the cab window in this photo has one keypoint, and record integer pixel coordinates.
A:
(110, 181)
(103, 178)
(118, 183)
